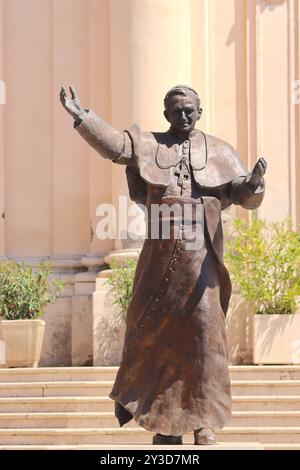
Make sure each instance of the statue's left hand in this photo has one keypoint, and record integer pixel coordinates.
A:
(255, 178)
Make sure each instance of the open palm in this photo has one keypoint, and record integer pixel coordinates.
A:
(71, 104)
(258, 172)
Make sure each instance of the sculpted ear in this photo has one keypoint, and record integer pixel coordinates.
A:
(199, 114)
(166, 115)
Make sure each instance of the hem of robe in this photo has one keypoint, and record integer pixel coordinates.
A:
(127, 415)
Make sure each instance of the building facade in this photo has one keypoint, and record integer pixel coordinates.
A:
(242, 56)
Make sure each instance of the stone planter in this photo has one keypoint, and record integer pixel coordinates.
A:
(23, 341)
(276, 339)
(108, 330)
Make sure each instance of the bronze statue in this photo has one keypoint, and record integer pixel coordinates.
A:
(173, 378)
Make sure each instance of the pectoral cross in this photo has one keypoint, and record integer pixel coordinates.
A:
(183, 174)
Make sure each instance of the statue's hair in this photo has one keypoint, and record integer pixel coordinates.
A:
(182, 90)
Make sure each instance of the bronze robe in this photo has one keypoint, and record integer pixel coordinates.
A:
(174, 376)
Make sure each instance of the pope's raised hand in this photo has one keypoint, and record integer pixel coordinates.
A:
(256, 176)
(71, 103)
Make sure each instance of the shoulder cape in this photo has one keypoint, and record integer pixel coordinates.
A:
(215, 163)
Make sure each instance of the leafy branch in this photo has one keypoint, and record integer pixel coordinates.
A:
(264, 262)
(121, 282)
(25, 291)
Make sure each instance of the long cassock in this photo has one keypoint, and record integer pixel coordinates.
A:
(173, 377)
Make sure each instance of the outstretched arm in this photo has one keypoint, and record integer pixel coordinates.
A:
(248, 191)
(107, 141)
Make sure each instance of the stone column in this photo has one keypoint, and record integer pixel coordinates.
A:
(71, 167)
(100, 170)
(99, 183)
(150, 52)
(28, 127)
(2, 99)
(294, 107)
(98, 100)
(71, 224)
(273, 101)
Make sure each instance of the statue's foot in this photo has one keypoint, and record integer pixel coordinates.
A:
(167, 440)
(204, 437)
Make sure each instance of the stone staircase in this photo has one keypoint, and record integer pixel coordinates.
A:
(68, 408)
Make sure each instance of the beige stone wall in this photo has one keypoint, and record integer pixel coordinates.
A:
(122, 56)
(2, 187)
(50, 175)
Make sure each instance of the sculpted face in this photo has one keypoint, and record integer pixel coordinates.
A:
(182, 113)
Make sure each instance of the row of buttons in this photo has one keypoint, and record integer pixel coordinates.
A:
(162, 290)
(181, 233)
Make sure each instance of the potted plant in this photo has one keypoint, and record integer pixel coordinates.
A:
(264, 263)
(24, 293)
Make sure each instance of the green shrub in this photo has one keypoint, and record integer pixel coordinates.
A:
(264, 263)
(25, 291)
(121, 282)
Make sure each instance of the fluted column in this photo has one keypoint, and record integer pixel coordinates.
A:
(100, 170)
(71, 224)
(150, 52)
(273, 83)
(28, 125)
(99, 100)
(99, 182)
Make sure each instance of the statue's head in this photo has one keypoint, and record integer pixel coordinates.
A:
(182, 108)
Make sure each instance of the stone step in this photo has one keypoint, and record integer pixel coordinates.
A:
(103, 388)
(49, 374)
(281, 446)
(52, 389)
(224, 446)
(125, 447)
(265, 387)
(108, 420)
(55, 404)
(265, 403)
(109, 436)
(57, 374)
(60, 420)
(103, 403)
(264, 372)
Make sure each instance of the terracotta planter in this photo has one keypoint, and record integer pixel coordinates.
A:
(23, 341)
(276, 339)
